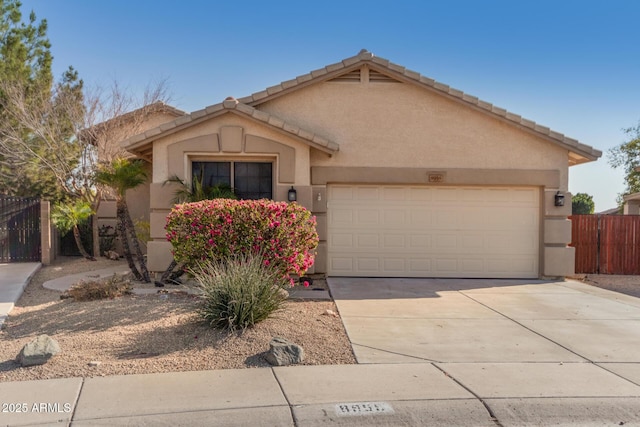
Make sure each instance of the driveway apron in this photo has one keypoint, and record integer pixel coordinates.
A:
(501, 339)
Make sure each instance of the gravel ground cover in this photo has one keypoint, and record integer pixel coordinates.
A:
(159, 332)
(629, 285)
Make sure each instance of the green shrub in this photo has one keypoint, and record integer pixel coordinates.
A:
(283, 232)
(239, 292)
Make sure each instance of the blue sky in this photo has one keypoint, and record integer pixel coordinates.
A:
(571, 65)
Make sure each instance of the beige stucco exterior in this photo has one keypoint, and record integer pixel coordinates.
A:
(401, 128)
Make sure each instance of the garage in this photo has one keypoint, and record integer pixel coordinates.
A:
(433, 231)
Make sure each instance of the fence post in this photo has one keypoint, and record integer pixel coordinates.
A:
(47, 250)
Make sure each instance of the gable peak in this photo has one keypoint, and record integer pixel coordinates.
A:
(365, 54)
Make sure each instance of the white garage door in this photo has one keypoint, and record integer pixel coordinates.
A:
(420, 231)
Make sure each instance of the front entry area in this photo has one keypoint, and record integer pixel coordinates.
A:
(433, 231)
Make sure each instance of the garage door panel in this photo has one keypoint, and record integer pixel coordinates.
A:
(420, 194)
(404, 231)
(368, 264)
(497, 195)
(445, 195)
(341, 264)
(394, 265)
(368, 241)
(475, 266)
(368, 217)
(420, 241)
(342, 240)
(473, 242)
(394, 241)
(367, 193)
(341, 217)
(394, 194)
(445, 219)
(342, 193)
(420, 218)
(421, 266)
(395, 218)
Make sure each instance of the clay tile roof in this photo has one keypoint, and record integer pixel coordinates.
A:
(229, 105)
(580, 152)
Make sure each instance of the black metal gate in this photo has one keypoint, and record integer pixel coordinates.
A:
(19, 229)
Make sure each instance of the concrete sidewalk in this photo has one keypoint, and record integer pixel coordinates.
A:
(419, 394)
(14, 278)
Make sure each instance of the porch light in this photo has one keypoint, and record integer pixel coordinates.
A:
(559, 199)
(292, 195)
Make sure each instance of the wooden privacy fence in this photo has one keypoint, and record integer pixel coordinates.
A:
(606, 244)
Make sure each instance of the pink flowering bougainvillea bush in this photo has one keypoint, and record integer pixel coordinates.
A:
(283, 233)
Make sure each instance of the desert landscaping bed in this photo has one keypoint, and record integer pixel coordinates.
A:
(629, 285)
(159, 332)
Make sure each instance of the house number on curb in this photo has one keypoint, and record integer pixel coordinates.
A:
(363, 408)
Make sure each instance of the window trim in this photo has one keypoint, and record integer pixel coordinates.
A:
(232, 160)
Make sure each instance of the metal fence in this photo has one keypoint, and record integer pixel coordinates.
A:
(19, 229)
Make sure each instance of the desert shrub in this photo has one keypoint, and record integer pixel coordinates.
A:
(239, 292)
(284, 233)
(107, 236)
(115, 286)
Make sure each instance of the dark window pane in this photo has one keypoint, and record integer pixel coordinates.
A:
(212, 173)
(253, 180)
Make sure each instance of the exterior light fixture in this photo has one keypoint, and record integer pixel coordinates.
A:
(292, 195)
(559, 199)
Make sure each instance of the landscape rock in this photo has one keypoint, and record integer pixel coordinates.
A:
(38, 351)
(112, 255)
(283, 292)
(283, 352)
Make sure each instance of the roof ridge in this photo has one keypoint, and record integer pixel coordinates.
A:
(414, 76)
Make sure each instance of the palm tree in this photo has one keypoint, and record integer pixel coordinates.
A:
(121, 175)
(197, 191)
(67, 216)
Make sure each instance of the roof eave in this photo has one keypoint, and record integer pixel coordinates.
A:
(143, 142)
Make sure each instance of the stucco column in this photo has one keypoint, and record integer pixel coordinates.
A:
(559, 257)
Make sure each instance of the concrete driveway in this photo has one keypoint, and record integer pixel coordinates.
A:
(449, 320)
(522, 347)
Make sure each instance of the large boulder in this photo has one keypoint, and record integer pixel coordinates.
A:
(38, 351)
(283, 352)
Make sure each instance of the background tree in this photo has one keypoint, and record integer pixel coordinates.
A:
(582, 204)
(53, 136)
(627, 156)
(112, 115)
(25, 62)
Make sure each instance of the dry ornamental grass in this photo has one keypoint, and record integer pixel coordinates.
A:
(136, 334)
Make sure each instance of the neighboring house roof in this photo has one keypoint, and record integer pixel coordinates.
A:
(612, 211)
(632, 196)
(141, 143)
(156, 107)
(383, 70)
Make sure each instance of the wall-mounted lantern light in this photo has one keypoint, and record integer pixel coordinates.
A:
(292, 195)
(559, 199)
